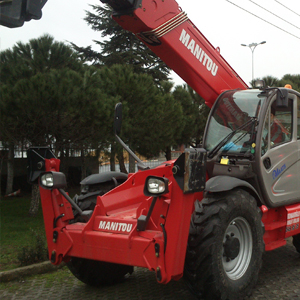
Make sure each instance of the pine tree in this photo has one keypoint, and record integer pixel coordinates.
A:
(119, 46)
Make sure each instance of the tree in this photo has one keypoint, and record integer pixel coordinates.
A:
(37, 56)
(120, 46)
(10, 130)
(70, 108)
(150, 116)
(62, 109)
(23, 62)
(44, 54)
(195, 114)
(293, 80)
(270, 81)
(11, 69)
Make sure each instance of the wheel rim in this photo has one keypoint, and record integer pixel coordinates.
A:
(237, 248)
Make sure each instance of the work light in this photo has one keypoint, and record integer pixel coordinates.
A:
(53, 180)
(47, 180)
(156, 186)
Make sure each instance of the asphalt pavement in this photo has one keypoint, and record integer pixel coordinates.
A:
(279, 279)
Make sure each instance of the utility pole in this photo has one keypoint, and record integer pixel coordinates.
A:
(252, 48)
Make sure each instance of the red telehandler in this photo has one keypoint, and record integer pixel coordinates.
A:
(210, 214)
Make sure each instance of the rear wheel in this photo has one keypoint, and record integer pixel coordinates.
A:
(93, 186)
(225, 246)
(96, 273)
(296, 242)
(87, 201)
(89, 271)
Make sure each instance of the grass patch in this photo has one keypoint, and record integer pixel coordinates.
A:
(61, 275)
(57, 277)
(17, 229)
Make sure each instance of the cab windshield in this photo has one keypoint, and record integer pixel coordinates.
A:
(232, 124)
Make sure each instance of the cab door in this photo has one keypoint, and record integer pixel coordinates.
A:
(279, 162)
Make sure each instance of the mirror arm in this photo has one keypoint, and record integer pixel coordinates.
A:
(68, 198)
(277, 89)
(131, 152)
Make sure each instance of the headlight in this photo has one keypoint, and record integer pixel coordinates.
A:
(53, 180)
(156, 186)
(47, 180)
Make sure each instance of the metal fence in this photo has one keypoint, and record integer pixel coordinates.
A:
(151, 163)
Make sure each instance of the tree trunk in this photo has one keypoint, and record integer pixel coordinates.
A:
(131, 164)
(168, 153)
(121, 162)
(35, 200)
(60, 153)
(1, 164)
(66, 162)
(83, 165)
(10, 169)
(112, 157)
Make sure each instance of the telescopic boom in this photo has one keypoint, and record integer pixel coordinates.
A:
(172, 36)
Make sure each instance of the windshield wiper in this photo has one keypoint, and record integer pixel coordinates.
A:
(227, 138)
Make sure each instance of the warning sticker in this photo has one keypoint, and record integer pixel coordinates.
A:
(293, 220)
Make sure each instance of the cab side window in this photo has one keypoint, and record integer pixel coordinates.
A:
(281, 125)
(298, 118)
(278, 127)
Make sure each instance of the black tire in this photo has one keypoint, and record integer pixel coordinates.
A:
(88, 201)
(97, 273)
(296, 242)
(225, 246)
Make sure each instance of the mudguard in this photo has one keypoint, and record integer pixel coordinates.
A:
(97, 185)
(226, 183)
(93, 184)
(103, 177)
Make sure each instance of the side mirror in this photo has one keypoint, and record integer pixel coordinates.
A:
(36, 162)
(11, 14)
(15, 12)
(282, 98)
(189, 170)
(118, 118)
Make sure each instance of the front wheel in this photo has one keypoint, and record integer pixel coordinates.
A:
(225, 246)
(296, 242)
(97, 273)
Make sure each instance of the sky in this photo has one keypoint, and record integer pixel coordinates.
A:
(223, 23)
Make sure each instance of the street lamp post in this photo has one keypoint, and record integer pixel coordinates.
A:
(252, 48)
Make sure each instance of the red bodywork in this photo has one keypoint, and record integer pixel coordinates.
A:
(111, 235)
(280, 223)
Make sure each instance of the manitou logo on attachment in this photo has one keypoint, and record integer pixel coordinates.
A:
(198, 52)
(115, 227)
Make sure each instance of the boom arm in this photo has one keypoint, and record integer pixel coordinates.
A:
(169, 33)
